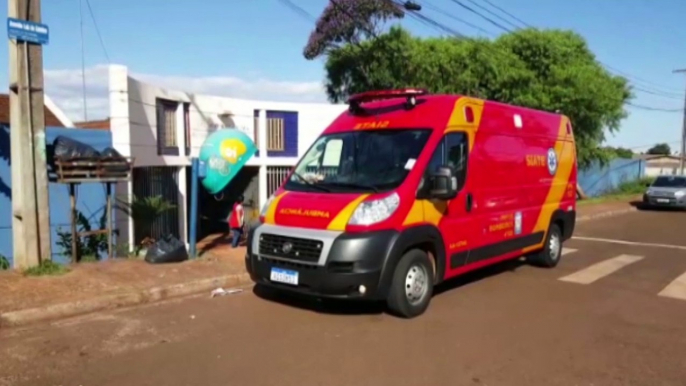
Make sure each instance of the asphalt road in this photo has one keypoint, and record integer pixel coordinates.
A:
(599, 318)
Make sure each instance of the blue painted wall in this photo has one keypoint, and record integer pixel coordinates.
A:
(91, 198)
(597, 179)
(290, 122)
(290, 128)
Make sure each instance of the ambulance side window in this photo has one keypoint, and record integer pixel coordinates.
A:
(452, 150)
(456, 154)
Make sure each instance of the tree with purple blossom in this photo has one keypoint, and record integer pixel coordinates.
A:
(349, 22)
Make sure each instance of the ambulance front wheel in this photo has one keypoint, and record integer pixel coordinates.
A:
(412, 285)
(550, 255)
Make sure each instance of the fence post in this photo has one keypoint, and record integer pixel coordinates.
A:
(194, 207)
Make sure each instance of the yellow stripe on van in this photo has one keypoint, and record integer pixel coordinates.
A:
(271, 211)
(341, 220)
(564, 148)
(458, 118)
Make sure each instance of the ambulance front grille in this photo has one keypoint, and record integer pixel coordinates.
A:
(292, 248)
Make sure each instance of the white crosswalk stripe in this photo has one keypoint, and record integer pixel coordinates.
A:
(567, 251)
(675, 289)
(599, 270)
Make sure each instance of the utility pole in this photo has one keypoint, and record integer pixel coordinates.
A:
(30, 206)
(683, 133)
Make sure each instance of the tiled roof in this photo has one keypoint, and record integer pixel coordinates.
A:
(102, 124)
(50, 118)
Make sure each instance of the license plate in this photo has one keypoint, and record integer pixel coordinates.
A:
(284, 276)
(663, 200)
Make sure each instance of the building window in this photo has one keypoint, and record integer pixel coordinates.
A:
(256, 129)
(167, 142)
(187, 126)
(275, 134)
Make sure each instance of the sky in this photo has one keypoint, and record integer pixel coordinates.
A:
(253, 49)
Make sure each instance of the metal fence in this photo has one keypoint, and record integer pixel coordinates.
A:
(276, 175)
(158, 181)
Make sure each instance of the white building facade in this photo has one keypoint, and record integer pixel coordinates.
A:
(164, 129)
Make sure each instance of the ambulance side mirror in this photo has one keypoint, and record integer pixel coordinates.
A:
(443, 183)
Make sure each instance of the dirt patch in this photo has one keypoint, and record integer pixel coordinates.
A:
(112, 277)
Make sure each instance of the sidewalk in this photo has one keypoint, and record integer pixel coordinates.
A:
(90, 287)
(593, 210)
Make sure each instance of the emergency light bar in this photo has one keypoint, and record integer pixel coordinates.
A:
(410, 94)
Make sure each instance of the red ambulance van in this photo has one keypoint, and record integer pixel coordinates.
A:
(407, 189)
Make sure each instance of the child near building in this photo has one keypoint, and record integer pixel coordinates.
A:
(236, 221)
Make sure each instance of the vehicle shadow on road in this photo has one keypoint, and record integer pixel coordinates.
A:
(640, 205)
(478, 275)
(325, 306)
(347, 307)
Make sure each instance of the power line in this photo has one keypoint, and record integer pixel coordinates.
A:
(658, 93)
(97, 30)
(433, 23)
(656, 89)
(493, 14)
(488, 19)
(299, 10)
(649, 108)
(507, 13)
(458, 19)
(83, 63)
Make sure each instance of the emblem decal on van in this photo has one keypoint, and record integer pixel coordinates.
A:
(305, 212)
(552, 161)
(518, 223)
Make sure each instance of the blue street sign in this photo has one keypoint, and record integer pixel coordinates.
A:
(27, 31)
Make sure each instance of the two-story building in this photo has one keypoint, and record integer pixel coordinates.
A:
(163, 129)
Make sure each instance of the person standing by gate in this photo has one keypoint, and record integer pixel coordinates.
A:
(236, 221)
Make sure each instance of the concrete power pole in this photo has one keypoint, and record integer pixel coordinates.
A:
(683, 134)
(30, 206)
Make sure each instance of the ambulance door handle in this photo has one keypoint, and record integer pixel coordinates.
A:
(469, 202)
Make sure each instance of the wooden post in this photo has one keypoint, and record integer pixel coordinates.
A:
(109, 220)
(74, 234)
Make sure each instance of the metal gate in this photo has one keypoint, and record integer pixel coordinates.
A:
(158, 181)
(276, 175)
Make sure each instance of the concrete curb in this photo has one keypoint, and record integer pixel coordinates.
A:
(611, 213)
(151, 295)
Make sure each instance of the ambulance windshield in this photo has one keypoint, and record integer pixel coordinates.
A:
(359, 161)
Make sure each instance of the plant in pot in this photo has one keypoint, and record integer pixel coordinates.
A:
(144, 212)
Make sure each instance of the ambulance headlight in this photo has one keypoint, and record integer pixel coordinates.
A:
(372, 212)
(266, 205)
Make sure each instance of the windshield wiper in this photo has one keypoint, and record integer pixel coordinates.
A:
(310, 183)
(354, 185)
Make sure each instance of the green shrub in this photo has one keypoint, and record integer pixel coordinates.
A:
(46, 268)
(633, 187)
(4, 263)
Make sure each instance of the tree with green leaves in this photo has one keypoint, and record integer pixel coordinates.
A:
(660, 149)
(549, 70)
(619, 152)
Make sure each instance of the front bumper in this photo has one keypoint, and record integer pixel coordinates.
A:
(662, 201)
(348, 261)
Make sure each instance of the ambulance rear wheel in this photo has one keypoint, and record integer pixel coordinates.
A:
(412, 285)
(551, 253)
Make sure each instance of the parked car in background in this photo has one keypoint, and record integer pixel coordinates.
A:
(666, 191)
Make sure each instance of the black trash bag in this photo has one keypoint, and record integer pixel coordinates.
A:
(167, 250)
(110, 152)
(66, 147)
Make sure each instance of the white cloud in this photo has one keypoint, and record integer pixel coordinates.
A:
(65, 87)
